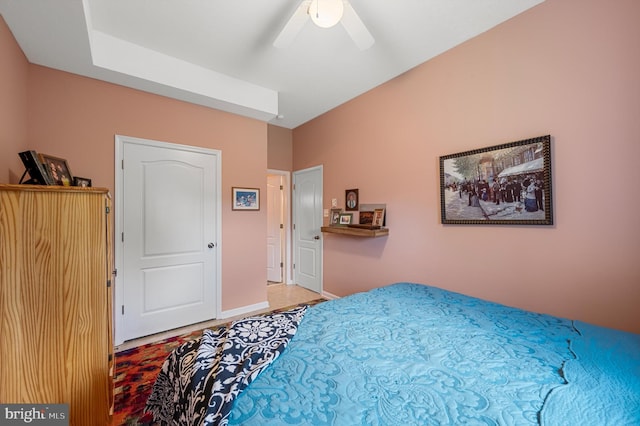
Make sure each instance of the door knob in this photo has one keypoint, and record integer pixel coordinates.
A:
(211, 245)
(317, 237)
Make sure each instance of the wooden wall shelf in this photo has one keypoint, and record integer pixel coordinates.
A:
(357, 232)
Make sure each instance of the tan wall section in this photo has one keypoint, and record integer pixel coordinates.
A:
(76, 118)
(568, 68)
(13, 106)
(280, 148)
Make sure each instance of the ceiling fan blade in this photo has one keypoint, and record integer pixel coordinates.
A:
(293, 26)
(356, 29)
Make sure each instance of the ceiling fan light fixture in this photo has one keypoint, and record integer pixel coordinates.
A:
(326, 13)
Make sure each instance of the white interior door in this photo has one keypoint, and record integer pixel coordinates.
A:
(169, 270)
(275, 228)
(307, 215)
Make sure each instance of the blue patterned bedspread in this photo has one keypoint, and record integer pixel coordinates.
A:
(603, 381)
(410, 354)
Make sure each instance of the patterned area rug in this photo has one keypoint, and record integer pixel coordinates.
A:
(136, 371)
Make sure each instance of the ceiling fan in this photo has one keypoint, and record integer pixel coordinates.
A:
(325, 14)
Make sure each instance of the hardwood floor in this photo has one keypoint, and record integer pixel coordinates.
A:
(278, 295)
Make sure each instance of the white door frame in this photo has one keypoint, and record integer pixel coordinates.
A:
(321, 213)
(120, 140)
(286, 206)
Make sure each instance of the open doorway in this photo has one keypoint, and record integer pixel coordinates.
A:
(278, 227)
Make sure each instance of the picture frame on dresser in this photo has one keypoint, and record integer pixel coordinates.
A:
(351, 197)
(33, 166)
(81, 182)
(58, 169)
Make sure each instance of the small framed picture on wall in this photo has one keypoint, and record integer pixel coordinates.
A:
(245, 198)
(80, 181)
(351, 199)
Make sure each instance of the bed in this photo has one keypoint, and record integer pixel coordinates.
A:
(404, 354)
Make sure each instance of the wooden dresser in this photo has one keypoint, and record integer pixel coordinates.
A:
(56, 343)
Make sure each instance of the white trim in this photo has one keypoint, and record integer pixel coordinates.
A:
(321, 213)
(120, 140)
(244, 310)
(127, 64)
(288, 250)
(329, 296)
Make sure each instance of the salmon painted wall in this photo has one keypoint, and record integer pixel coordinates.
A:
(13, 106)
(76, 118)
(568, 68)
(279, 148)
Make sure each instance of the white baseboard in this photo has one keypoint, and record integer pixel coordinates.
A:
(244, 310)
(329, 296)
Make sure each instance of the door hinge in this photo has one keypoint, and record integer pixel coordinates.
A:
(122, 237)
(294, 266)
(114, 272)
(108, 283)
(281, 187)
(107, 210)
(281, 264)
(122, 309)
(122, 164)
(281, 226)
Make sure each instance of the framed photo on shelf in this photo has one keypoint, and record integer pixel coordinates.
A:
(345, 218)
(334, 219)
(378, 217)
(351, 200)
(245, 198)
(58, 169)
(368, 210)
(366, 217)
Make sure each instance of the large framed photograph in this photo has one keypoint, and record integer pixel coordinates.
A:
(58, 169)
(245, 198)
(508, 184)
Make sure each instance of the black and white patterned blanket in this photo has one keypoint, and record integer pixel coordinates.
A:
(200, 379)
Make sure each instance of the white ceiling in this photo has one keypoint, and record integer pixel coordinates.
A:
(219, 53)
